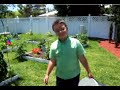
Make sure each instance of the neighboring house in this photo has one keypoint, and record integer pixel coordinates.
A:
(52, 13)
(108, 15)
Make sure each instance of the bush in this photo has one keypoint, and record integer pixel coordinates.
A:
(49, 34)
(117, 36)
(3, 68)
(83, 38)
(21, 51)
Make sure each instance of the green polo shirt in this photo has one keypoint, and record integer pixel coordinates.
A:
(66, 56)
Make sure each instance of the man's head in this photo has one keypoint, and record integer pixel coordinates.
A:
(60, 28)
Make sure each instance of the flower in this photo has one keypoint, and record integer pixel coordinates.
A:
(36, 50)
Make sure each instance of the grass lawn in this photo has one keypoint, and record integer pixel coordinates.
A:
(104, 66)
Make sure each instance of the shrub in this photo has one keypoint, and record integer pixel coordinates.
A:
(49, 34)
(83, 38)
(41, 43)
(117, 36)
(21, 51)
(3, 68)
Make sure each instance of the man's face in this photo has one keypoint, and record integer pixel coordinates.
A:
(60, 30)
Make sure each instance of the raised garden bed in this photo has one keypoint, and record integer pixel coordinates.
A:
(6, 77)
(32, 41)
(35, 59)
(85, 44)
(9, 80)
(8, 49)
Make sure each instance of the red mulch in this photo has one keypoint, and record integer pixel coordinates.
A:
(111, 47)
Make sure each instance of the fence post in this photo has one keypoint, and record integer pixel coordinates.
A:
(46, 17)
(31, 23)
(16, 22)
(89, 25)
(7, 28)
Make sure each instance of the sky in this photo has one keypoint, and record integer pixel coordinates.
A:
(50, 6)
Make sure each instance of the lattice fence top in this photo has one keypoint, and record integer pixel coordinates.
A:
(83, 19)
(99, 18)
(78, 18)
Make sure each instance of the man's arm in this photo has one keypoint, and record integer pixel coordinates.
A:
(50, 67)
(84, 62)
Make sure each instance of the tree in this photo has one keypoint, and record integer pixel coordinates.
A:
(106, 10)
(62, 10)
(31, 9)
(4, 12)
(39, 9)
(78, 10)
(25, 11)
(115, 10)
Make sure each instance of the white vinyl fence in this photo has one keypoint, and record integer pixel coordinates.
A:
(96, 26)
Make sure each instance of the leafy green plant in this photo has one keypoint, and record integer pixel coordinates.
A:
(41, 43)
(31, 33)
(15, 35)
(3, 46)
(4, 42)
(21, 51)
(3, 68)
(34, 38)
(9, 36)
(47, 52)
(3, 39)
(44, 45)
(48, 49)
(83, 38)
(49, 34)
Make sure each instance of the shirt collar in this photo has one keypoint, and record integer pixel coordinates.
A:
(65, 40)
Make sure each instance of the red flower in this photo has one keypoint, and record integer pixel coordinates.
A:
(36, 50)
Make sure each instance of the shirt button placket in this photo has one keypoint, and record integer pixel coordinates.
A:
(63, 49)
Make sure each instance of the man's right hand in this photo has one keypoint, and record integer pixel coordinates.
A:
(46, 79)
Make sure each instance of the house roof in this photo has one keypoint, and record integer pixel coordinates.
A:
(108, 14)
(49, 13)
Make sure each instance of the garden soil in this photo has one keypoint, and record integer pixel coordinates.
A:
(111, 47)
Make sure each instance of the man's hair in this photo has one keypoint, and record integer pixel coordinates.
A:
(59, 21)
